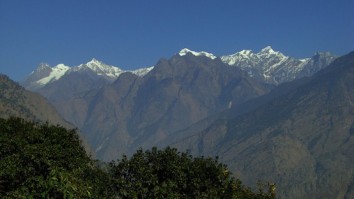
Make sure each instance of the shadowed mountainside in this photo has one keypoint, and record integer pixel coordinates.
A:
(138, 112)
(18, 102)
(302, 139)
(15, 101)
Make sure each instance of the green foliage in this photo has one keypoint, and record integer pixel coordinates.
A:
(46, 161)
(171, 174)
(43, 161)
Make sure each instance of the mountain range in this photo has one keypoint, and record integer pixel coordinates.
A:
(267, 65)
(274, 67)
(44, 74)
(104, 101)
(266, 115)
(136, 111)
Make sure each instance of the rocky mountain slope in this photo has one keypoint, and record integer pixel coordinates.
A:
(301, 138)
(142, 107)
(18, 102)
(300, 135)
(138, 111)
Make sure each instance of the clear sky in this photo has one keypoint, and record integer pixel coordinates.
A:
(136, 33)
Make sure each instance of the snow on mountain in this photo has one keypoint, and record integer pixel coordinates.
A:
(243, 55)
(267, 65)
(44, 74)
(99, 68)
(142, 71)
(274, 67)
(185, 51)
(56, 73)
(247, 57)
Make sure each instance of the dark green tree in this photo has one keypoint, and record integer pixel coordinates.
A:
(171, 174)
(45, 161)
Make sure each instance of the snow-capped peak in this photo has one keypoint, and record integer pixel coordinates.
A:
(274, 67)
(45, 74)
(61, 67)
(245, 52)
(100, 68)
(238, 57)
(269, 51)
(185, 51)
(269, 65)
(142, 71)
(56, 73)
(42, 66)
(95, 65)
(94, 61)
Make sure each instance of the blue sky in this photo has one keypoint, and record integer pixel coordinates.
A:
(131, 34)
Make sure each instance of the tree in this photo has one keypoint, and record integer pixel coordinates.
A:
(42, 160)
(46, 161)
(171, 174)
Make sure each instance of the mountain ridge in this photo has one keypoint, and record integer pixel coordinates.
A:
(15, 101)
(300, 135)
(139, 111)
(274, 67)
(45, 74)
(202, 82)
(267, 65)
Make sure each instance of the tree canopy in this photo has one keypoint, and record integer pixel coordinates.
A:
(46, 161)
(169, 173)
(43, 161)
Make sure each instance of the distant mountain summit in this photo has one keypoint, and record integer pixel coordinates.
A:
(271, 66)
(185, 51)
(274, 67)
(268, 66)
(44, 74)
(99, 68)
